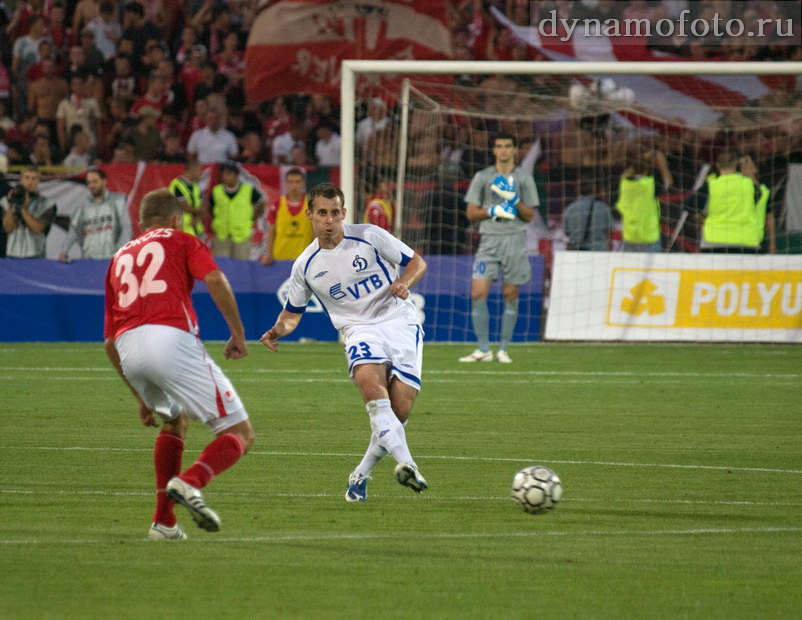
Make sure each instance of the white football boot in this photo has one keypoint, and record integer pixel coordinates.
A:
(192, 499)
(158, 531)
(478, 356)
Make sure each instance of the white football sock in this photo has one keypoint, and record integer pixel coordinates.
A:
(373, 455)
(389, 430)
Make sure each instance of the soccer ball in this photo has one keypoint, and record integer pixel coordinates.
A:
(536, 489)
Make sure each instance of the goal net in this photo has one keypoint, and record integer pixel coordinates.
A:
(420, 137)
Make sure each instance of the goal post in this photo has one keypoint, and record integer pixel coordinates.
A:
(580, 125)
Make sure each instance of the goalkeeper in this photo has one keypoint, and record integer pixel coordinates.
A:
(502, 198)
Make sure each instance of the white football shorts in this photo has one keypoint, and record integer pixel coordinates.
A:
(397, 343)
(171, 370)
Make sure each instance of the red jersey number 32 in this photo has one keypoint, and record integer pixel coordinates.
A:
(131, 288)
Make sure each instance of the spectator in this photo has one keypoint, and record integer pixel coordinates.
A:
(376, 119)
(77, 109)
(27, 216)
(188, 191)
(298, 157)
(174, 91)
(107, 29)
(35, 71)
(637, 201)
(189, 38)
(123, 82)
(213, 143)
(230, 61)
(94, 59)
(6, 122)
(190, 73)
(253, 149)
(80, 155)
(283, 144)
(45, 94)
(278, 122)
(235, 206)
(138, 29)
(76, 62)
(85, 12)
(289, 230)
(124, 152)
(116, 125)
(587, 221)
(146, 138)
(100, 224)
(155, 96)
(172, 152)
(24, 54)
(327, 148)
(41, 154)
(63, 37)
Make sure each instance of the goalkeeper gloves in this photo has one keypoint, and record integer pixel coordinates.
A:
(504, 211)
(504, 188)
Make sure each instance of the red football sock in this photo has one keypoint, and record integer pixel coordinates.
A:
(217, 457)
(167, 453)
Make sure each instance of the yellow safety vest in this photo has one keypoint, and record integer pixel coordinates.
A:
(292, 232)
(233, 217)
(192, 194)
(733, 215)
(639, 209)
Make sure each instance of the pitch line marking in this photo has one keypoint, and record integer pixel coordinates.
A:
(433, 536)
(428, 497)
(518, 373)
(489, 459)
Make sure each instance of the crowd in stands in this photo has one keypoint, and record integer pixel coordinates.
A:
(83, 81)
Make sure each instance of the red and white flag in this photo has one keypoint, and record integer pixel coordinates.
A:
(297, 45)
(692, 100)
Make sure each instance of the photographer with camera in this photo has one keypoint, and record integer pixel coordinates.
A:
(27, 217)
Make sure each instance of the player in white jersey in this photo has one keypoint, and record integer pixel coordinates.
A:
(353, 270)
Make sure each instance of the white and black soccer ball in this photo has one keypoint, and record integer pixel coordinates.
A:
(536, 489)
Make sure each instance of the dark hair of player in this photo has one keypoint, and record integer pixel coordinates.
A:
(505, 136)
(326, 190)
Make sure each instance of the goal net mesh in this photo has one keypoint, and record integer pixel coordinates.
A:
(575, 135)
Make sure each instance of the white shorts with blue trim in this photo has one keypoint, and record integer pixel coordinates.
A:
(397, 343)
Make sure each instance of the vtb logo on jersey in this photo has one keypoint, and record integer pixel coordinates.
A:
(365, 287)
(360, 264)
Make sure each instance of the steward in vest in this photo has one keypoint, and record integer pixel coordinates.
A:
(289, 229)
(235, 207)
(737, 203)
(187, 189)
(637, 202)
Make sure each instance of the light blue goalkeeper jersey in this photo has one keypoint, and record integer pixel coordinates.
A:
(479, 193)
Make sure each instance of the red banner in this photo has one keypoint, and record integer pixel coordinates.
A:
(297, 45)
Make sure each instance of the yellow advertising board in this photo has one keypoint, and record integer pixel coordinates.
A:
(597, 295)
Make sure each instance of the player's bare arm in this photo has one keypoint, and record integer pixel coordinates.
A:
(145, 414)
(223, 296)
(413, 272)
(525, 212)
(285, 324)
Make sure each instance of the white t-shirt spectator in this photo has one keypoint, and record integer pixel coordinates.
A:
(282, 148)
(328, 153)
(213, 147)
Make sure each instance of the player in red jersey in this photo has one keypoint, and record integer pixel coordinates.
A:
(151, 336)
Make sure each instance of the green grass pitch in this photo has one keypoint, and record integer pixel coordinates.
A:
(682, 468)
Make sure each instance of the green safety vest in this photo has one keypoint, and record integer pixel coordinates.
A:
(733, 215)
(233, 217)
(639, 209)
(192, 194)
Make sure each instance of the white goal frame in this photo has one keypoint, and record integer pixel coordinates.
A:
(351, 69)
